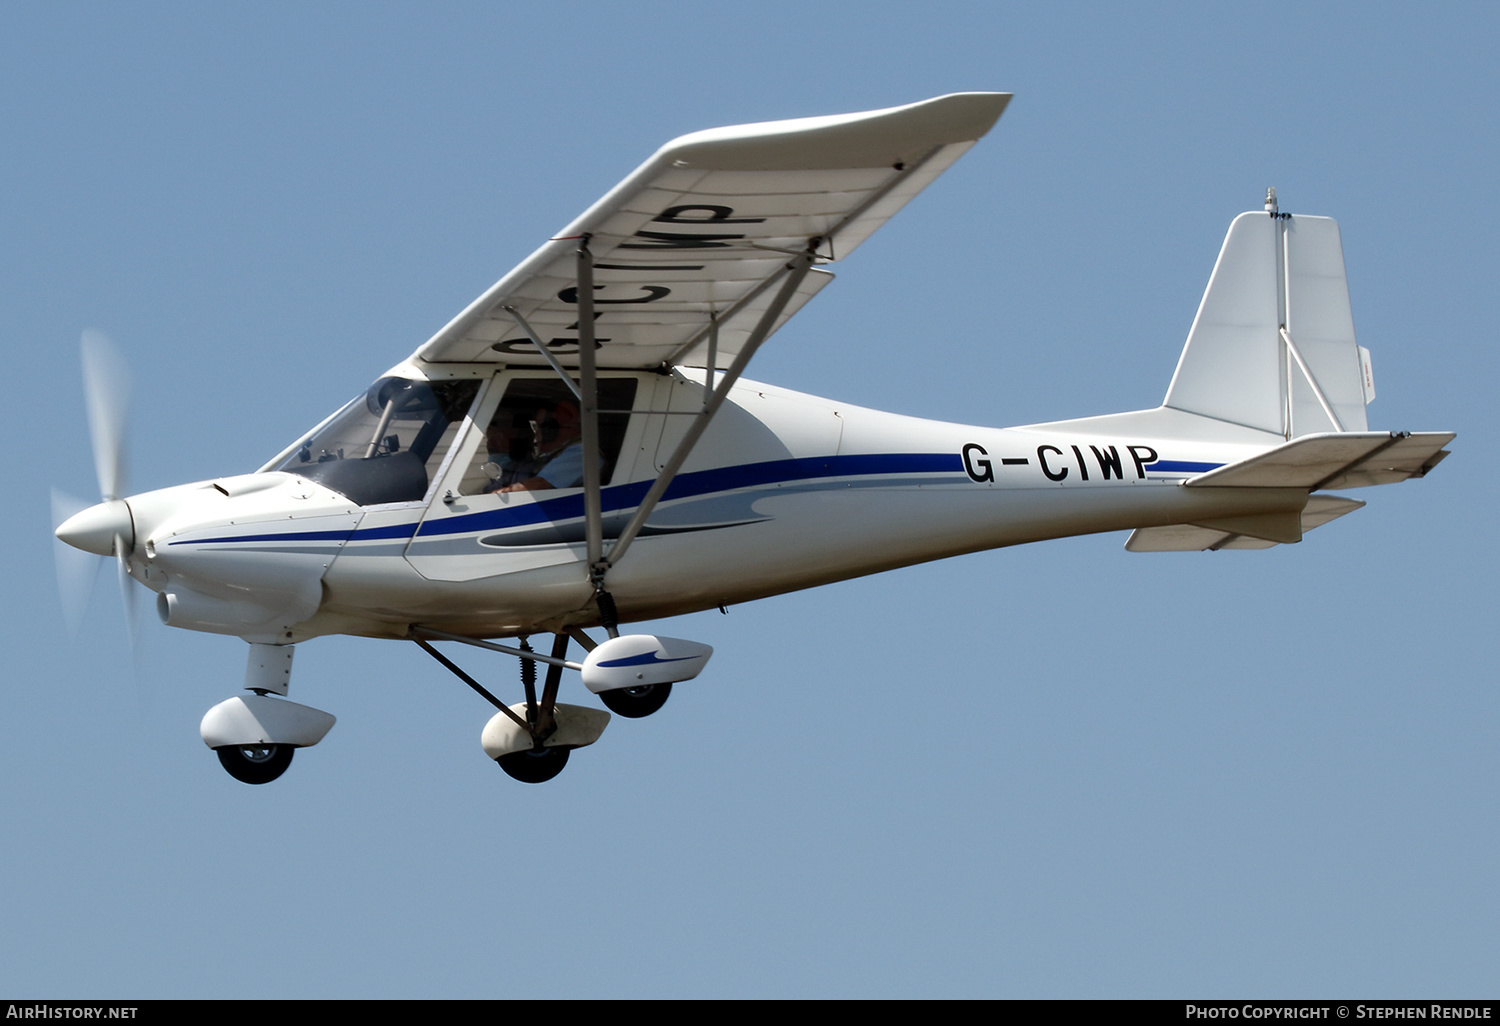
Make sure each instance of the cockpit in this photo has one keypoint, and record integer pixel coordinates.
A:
(386, 445)
(389, 444)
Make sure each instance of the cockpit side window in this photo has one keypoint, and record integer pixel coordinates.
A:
(386, 447)
(534, 441)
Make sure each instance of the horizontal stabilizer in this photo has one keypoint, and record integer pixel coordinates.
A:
(1343, 460)
(1223, 534)
(1277, 528)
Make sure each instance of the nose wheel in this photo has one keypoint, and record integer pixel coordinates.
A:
(255, 764)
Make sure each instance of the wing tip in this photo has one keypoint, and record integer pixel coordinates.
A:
(876, 138)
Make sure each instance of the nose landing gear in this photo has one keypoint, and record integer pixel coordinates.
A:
(255, 735)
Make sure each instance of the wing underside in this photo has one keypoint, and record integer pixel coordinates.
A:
(685, 250)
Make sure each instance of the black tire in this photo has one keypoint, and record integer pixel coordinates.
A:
(536, 766)
(633, 703)
(255, 764)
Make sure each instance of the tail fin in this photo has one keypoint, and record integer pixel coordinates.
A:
(1273, 349)
(1273, 346)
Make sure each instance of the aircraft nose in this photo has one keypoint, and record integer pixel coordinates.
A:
(95, 529)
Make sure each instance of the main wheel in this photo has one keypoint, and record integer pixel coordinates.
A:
(536, 766)
(633, 703)
(255, 764)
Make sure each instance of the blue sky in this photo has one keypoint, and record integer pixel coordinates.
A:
(1059, 770)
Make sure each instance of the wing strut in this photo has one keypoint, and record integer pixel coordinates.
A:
(600, 563)
(792, 275)
(586, 388)
(794, 272)
(589, 410)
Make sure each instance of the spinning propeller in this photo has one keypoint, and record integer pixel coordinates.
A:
(104, 529)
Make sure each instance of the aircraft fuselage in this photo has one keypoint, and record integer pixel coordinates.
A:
(785, 491)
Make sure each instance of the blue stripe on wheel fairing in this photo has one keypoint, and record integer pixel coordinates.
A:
(644, 659)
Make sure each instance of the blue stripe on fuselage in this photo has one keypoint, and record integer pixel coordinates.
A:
(699, 482)
(628, 496)
(1183, 466)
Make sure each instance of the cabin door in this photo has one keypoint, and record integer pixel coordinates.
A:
(511, 498)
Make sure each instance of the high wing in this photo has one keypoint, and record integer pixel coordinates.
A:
(686, 250)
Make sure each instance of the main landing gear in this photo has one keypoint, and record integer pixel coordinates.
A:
(531, 741)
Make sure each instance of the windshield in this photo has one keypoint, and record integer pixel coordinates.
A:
(385, 445)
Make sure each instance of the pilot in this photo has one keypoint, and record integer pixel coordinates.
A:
(557, 460)
(508, 442)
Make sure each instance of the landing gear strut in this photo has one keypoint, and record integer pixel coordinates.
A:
(531, 740)
(632, 674)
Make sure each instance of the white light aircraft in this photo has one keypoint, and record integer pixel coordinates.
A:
(578, 449)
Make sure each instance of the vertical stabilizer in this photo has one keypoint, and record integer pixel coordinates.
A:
(1272, 346)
